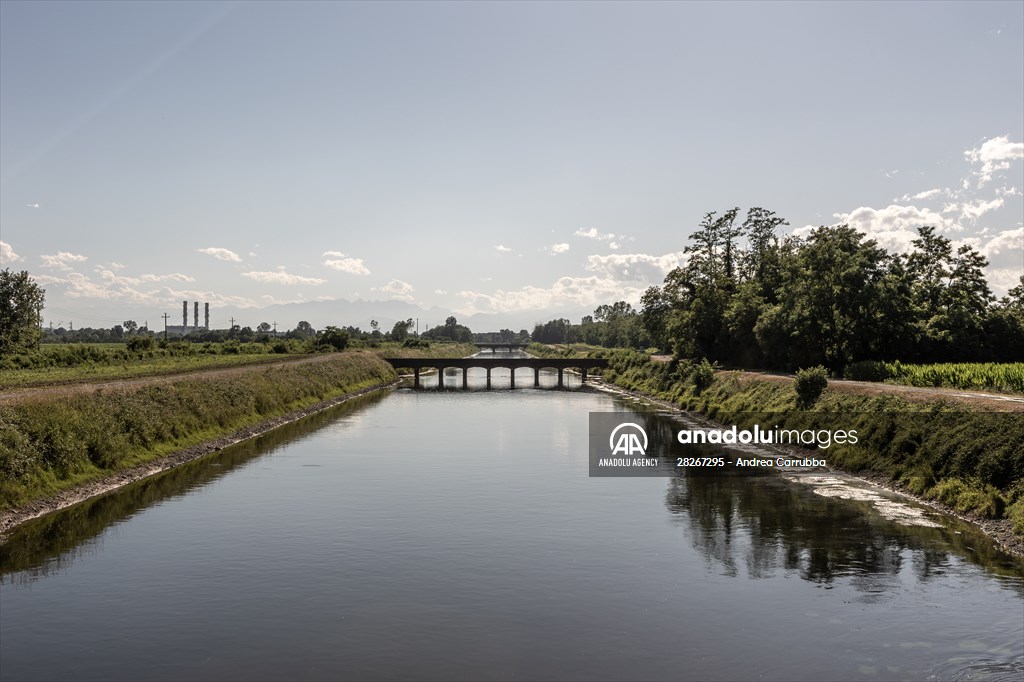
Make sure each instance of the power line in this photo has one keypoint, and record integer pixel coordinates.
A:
(75, 313)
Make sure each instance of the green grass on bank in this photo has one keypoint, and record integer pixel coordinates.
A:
(54, 444)
(970, 460)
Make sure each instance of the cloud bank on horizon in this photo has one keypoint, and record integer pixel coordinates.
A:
(516, 182)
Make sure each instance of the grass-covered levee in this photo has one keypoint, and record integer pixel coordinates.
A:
(55, 440)
(952, 452)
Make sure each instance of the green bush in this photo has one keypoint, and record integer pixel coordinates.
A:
(138, 344)
(948, 491)
(702, 375)
(987, 502)
(810, 384)
(1015, 512)
(867, 370)
(334, 338)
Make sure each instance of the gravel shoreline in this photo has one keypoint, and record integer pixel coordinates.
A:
(999, 530)
(14, 517)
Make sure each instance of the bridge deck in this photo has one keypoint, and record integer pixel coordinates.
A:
(500, 344)
(489, 363)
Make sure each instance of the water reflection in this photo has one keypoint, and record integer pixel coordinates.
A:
(51, 543)
(771, 523)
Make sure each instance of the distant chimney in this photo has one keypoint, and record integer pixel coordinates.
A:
(195, 315)
(184, 314)
(207, 325)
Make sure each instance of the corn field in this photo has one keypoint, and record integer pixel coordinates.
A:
(1003, 376)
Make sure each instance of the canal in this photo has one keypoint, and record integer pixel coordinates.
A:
(456, 534)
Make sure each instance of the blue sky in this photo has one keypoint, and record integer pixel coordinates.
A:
(483, 157)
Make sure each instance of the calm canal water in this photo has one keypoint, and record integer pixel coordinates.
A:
(427, 535)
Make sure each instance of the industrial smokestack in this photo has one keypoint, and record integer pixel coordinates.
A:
(207, 318)
(195, 315)
(184, 314)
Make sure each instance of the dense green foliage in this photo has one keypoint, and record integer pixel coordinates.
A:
(55, 439)
(747, 298)
(503, 336)
(1006, 376)
(451, 330)
(810, 384)
(21, 301)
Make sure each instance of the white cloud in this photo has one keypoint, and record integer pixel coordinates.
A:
(635, 267)
(555, 249)
(111, 287)
(565, 292)
(927, 194)
(336, 260)
(1001, 280)
(397, 289)
(993, 155)
(35, 205)
(613, 245)
(7, 254)
(61, 260)
(972, 210)
(108, 275)
(502, 248)
(1006, 241)
(282, 277)
(221, 254)
(894, 226)
(440, 292)
(592, 233)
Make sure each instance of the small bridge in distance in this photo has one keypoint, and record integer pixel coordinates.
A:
(512, 364)
(495, 347)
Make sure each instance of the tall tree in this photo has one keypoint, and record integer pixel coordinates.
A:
(762, 261)
(829, 290)
(21, 302)
(930, 265)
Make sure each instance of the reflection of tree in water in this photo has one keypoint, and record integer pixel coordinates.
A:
(51, 543)
(769, 523)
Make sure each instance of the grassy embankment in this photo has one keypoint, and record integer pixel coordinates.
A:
(54, 442)
(970, 460)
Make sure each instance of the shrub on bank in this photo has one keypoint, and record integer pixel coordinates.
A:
(810, 384)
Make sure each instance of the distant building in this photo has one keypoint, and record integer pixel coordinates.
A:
(185, 328)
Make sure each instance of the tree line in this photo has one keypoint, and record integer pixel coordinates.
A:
(748, 297)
